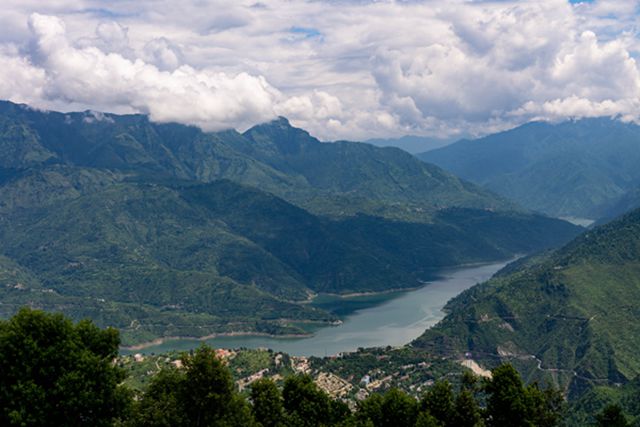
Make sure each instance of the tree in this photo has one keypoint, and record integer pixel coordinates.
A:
(267, 405)
(305, 403)
(470, 382)
(506, 406)
(425, 419)
(56, 373)
(201, 395)
(160, 405)
(370, 410)
(439, 402)
(399, 409)
(510, 403)
(208, 387)
(467, 412)
(611, 416)
(393, 409)
(544, 407)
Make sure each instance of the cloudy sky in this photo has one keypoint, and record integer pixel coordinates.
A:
(343, 69)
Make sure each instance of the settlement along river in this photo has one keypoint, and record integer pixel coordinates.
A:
(395, 319)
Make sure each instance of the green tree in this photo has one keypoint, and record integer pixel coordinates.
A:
(208, 388)
(305, 403)
(506, 404)
(160, 405)
(545, 408)
(369, 410)
(393, 409)
(611, 416)
(470, 382)
(467, 412)
(267, 406)
(439, 402)
(399, 409)
(425, 419)
(511, 404)
(53, 372)
(200, 395)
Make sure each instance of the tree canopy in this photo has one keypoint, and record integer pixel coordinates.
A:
(55, 372)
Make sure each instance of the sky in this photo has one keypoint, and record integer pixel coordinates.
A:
(342, 69)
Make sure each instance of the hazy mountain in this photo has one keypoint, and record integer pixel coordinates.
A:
(411, 143)
(629, 201)
(578, 168)
(568, 316)
(161, 229)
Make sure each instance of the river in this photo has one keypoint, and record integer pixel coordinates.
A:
(395, 319)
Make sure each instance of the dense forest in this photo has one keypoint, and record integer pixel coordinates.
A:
(55, 372)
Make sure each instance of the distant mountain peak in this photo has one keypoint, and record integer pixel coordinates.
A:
(280, 132)
(281, 120)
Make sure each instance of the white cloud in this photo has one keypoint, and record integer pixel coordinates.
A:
(342, 69)
(89, 76)
(163, 54)
(19, 80)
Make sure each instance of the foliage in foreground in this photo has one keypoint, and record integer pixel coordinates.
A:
(53, 372)
(58, 373)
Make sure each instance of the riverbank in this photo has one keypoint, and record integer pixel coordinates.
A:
(369, 293)
(165, 340)
(391, 319)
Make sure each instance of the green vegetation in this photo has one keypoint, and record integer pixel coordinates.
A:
(567, 318)
(340, 179)
(584, 168)
(607, 401)
(162, 230)
(58, 373)
(612, 416)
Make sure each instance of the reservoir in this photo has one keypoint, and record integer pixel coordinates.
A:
(391, 319)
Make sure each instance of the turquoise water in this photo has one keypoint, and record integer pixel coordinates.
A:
(379, 320)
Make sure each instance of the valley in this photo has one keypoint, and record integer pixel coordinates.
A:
(269, 240)
(320, 213)
(164, 230)
(391, 319)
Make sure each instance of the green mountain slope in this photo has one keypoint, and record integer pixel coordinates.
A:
(351, 177)
(595, 400)
(221, 249)
(570, 316)
(327, 178)
(161, 229)
(578, 168)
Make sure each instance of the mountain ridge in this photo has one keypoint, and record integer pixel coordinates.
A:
(577, 168)
(557, 317)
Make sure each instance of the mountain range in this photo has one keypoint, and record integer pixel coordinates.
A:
(581, 168)
(163, 230)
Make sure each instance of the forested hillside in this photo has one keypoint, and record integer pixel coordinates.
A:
(567, 317)
(163, 230)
